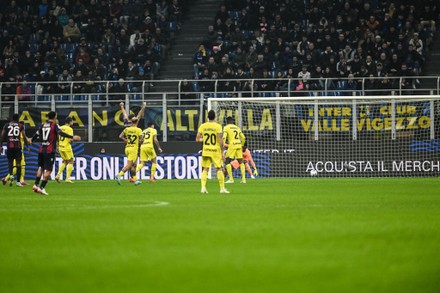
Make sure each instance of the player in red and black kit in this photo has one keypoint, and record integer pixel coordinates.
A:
(11, 134)
(48, 132)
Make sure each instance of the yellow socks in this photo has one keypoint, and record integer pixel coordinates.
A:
(69, 171)
(60, 171)
(243, 172)
(205, 178)
(229, 170)
(221, 179)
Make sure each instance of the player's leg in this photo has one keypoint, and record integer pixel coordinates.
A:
(206, 163)
(49, 159)
(143, 158)
(153, 156)
(69, 167)
(248, 169)
(18, 167)
(228, 165)
(39, 172)
(239, 157)
(23, 170)
(220, 176)
(62, 166)
(121, 173)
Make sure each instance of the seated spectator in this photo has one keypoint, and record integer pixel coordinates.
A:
(187, 94)
(118, 90)
(71, 32)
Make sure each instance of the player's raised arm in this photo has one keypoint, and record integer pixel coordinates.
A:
(124, 113)
(141, 111)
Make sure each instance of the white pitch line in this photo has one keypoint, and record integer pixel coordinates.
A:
(85, 207)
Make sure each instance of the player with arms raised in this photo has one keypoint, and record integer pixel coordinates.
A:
(234, 140)
(210, 134)
(149, 139)
(48, 133)
(12, 133)
(131, 136)
(65, 150)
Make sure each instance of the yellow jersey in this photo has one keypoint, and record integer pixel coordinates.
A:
(149, 134)
(211, 145)
(132, 133)
(64, 143)
(233, 136)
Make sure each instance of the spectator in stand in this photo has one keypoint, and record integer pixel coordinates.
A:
(187, 94)
(71, 32)
(118, 90)
(199, 60)
(142, 81)
(78, 82)
(64, 80)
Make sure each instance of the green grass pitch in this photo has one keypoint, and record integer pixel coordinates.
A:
(269, 235)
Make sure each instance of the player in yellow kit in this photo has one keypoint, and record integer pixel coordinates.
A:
(234, 140)
(66, 152)
(210, 133)
(149, 139)
(131, 136)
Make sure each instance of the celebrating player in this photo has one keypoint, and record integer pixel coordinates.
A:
(149, 135)
(66, 152)
(128, 121)
(234, 140)
(247, 159)
(210, 133)
(128, 118)
(12, 133)
(130, 135)
(48, 132)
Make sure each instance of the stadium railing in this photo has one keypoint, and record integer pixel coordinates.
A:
(96, 104)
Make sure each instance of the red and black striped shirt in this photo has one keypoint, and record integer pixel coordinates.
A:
(11, 134)
(48, 132)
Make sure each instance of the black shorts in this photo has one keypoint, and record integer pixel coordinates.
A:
(14, 154)
(46, 161)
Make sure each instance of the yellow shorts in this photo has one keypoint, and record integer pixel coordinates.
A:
(147, 153)
(66, 155)
(234, 153)
(208, 161)
(132, 154)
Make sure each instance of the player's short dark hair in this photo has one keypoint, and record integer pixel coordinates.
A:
(211, 115)
(68, 120)
(134, 120)
(151, 123)
(15, 117)
(51, 115)
(229, 120)
(131, 116)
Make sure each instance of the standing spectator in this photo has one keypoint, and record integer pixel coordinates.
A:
(199, 60)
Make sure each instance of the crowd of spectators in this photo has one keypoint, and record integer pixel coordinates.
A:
(317, 39)
(84, 41)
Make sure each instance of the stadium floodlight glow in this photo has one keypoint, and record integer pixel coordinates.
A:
(339, 136)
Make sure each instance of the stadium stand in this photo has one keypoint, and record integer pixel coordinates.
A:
(348, 42)
(85, 40)
(301, 39)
